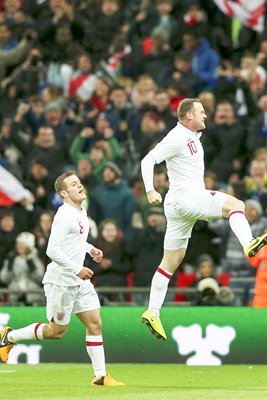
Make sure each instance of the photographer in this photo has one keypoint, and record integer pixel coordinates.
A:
(31, 74)
(209, 293)
(23, 271)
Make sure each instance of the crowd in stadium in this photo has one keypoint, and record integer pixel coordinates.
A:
(92, 86)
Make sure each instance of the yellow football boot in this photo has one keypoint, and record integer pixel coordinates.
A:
(5, 345)
(255, 245)
(106, 381)
(154, 325)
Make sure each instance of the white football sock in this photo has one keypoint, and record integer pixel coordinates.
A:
(95, 350)
(241, 228)
(159, 287)
(33, 331)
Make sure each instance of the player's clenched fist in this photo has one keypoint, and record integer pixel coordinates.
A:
(97, 254)
(154, 197)
(85, 273)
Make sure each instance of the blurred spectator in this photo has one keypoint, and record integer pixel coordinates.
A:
(196, 17)
(256, 182)
(54, 16)
(7, 149)
(54, 118)
(252, 73)
(209, 293)
(85, 173)
(153, 129)
(161, 106)
(233, 84)
(181, 72)
(113, 199)
(79, 81)
(35, 117)
(257, 127)
(39, 182)
(43, 146)
(123, 118)
(11, 95)
(224, 143)
(156, 53)
(90, 145)
(208, 101)
(41, 232)
(100, 97)
(23, 271)
(60, 49)
(106, 24)
(203, 240)
(143, 92)
(176, 93)
(115, 265)
(53, 93)
(205, 59)
(205, 268)
(147, 252)
(8, 233)
(31, 74)
(7, 40)
(11, 57)
(123, 59)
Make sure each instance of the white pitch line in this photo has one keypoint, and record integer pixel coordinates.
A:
(6, 371)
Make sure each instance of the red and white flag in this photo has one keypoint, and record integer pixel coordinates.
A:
(249, 12)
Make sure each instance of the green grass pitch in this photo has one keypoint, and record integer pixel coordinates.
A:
(144, 382)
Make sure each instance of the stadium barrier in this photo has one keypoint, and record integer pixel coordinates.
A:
(196, 336)
(6, 299)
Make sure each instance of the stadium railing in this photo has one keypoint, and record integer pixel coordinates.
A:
(5, 294)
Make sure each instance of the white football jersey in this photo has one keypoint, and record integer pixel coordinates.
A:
(184, 156)
(67, 246)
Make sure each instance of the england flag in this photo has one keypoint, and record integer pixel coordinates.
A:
(249, 12)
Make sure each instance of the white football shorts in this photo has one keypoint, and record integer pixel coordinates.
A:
(183, 212)
(62, 301)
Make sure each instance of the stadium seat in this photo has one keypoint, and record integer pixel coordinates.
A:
(183, 281)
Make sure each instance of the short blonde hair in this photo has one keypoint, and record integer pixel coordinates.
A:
(60, 183)
(186, 106)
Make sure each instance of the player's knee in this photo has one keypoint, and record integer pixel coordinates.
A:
(95, 326)
(233, 204)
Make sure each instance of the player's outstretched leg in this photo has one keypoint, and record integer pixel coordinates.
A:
(106, 381)
(154, 325)
(5, 345)
(255, 245)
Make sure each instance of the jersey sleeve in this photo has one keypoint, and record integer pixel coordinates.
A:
(55, 247)
(89, 248)
(147, 171)
(167, 148)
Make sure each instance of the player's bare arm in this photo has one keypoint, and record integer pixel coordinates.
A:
(154, 197)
